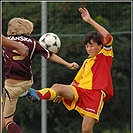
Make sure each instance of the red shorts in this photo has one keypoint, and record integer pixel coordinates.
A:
(86, 102)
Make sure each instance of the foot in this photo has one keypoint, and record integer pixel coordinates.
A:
(32, 95)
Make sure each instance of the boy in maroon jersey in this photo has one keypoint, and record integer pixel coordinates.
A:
(21, 49)
(19, 76)
(92, 85)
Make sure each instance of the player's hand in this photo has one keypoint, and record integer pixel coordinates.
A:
(58, 99)
(73, 66)
(22, 49)
(85, 14)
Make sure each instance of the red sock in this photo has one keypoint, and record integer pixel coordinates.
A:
(46, 93)
(12, 127)
(46, 96)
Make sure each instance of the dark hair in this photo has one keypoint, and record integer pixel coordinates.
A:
(93, 35)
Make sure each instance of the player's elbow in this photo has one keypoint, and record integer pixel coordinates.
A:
(107, 38)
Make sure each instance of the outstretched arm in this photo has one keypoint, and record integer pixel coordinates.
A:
(87, 18)
(59, 60)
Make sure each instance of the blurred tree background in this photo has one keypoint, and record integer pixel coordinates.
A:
(64, 20)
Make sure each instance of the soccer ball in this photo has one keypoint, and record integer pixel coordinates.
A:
(51, 42)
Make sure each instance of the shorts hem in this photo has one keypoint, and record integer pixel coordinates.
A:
(73, 103)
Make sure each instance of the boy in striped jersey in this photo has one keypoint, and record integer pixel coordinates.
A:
(92, 85)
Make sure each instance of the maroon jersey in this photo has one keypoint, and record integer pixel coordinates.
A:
(18, 67)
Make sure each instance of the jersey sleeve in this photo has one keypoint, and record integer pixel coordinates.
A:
(42, 51)
(107, 45)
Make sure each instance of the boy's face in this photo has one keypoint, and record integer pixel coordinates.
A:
(93, 49)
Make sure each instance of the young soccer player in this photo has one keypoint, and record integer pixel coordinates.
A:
(19, 76)
(92, 85)
(22, 50)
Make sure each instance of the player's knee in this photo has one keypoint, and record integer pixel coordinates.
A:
(57, 88)
(8, 120)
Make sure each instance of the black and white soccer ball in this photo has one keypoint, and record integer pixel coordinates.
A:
(51, 42)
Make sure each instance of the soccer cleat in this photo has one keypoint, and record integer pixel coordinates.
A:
(32, 95)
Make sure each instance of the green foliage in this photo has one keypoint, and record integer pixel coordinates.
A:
(64, 19)
(28, 10)
(102, 21)
(125, 129)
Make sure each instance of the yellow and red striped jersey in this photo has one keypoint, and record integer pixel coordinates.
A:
(95, 73)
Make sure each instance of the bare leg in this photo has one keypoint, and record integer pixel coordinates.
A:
(87, 124)
(64, 91)
(51, 93)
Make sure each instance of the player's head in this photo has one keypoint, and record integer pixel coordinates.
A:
(94, 36)
(19, 26)
(93, 43)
